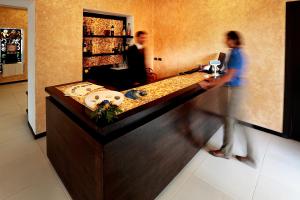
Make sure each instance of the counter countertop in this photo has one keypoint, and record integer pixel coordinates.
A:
(154, 90)
(161, 96)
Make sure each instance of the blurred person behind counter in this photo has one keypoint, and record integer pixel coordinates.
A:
(136, 59)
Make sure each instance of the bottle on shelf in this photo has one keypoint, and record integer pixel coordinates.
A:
(87, 46)
(115, 48)
(119, 47)
(126, 46)
(90, 47)
(91, 30)
(112, 30)
(84, 47)
(123, 48)
(84, 28)
(88, 31)
(128, 30)
(124, 30)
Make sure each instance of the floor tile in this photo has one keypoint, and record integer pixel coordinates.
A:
(41, 192)
(195, 189)
(13, 121)
(285, 149)
(21, 99)
(42, 144)
(282, 161)
(15, 133)
(186, 172)
(16, 149)
(229, 176)
(17, 175)
(8, 104)
(272, 189)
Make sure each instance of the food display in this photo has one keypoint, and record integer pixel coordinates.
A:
(81, 89)
(146, 93)
(95, 98)
(160, 89)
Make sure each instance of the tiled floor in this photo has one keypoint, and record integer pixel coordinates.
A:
(26, 174)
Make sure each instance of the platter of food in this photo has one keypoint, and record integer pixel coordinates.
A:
(94, 98)
(81, 89)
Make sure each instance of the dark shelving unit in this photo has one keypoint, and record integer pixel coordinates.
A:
(97, 66)
(101, 54)
(102, 72)
(104, 36)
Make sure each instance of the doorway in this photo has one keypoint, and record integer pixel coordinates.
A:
(13, 42)
(291, 124)
(28, 5)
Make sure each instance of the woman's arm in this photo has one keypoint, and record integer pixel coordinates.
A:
(219, 82)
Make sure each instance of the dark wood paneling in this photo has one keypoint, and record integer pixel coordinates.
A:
(144, 150)
(141, 163)
(74, 155)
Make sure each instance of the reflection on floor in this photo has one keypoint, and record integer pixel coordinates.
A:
(26, 174)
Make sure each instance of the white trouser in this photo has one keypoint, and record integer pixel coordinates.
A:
(232, 99)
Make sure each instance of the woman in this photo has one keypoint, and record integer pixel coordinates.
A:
(232, 84)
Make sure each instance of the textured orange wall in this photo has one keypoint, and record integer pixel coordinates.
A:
(15, 18)
(59, 40)
(189, 32)
(183, 33)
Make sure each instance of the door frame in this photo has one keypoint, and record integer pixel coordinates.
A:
(29, 5)
(288, 103)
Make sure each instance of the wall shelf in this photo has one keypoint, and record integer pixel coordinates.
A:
(99, 66)
(100, 46)
(86, 55)
(104, 36)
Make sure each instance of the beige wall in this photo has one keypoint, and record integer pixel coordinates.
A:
(183, 33)
(15, 18)
(59, 40)
(190, 32)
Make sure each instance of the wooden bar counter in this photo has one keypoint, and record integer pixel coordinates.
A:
(135, 157)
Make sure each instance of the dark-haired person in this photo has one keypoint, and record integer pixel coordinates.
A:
(136, 59)
(232, 84)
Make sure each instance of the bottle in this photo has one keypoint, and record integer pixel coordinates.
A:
(87, 47)
(90, 50)
(119, 48)
(128, 30)
(124, 30)
(112, 30)
(126, 46)
(88, 31)
(122, 48)
(84, 28)
(84, 47)
(92, 30)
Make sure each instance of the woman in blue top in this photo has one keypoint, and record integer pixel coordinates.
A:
(232, 82)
